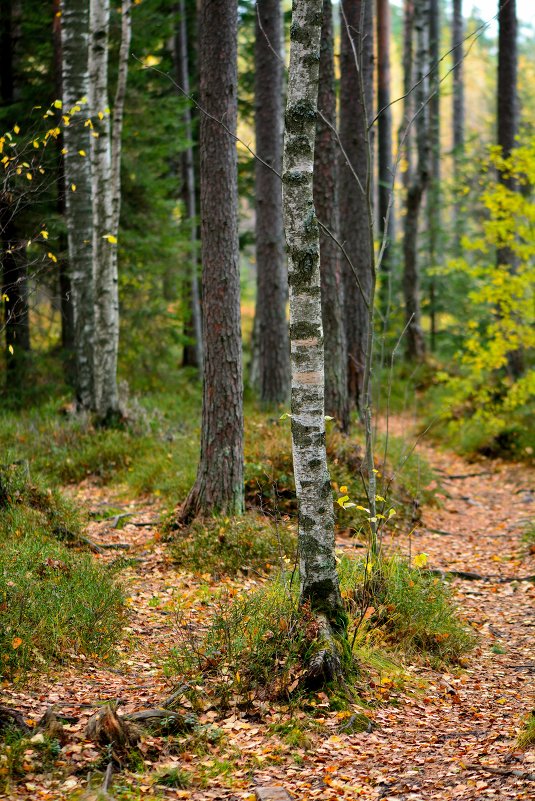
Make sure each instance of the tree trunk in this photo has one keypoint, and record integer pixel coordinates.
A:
(64, 278)
(106, 399)
(458, 114)
(433, 194)
(385, 227)
(507, 128)
(78, 191)
(271, 325)
(317, 564)
(14, 262)
(356, 102)
(193, 353)
(219, 483)
(326, 202)
(417, 181)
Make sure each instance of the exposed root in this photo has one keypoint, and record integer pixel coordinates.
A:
(107, 728)
(325, 664)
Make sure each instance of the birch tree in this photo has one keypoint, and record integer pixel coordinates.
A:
(326, 202)
(317, 565)
(219, 483)
(78, 191)
(457, 33)
(271, 328)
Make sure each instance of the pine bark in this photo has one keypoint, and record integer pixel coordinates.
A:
(507, 128)
(219, 483)
(417, 178)
(271, 327)
(14, 261)
(317, 565)
(356, 103)
(106, 399)
(326, 202)
(433, 194)
(385, 227)
(458, 112)
(193, 353)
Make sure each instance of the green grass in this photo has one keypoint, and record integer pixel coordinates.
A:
(54, 602)
(526, 737)
(19, 756)
(223, 546)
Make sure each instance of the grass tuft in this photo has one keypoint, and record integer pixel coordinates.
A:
(526, 737)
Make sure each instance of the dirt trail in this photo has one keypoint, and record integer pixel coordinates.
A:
(424, 742)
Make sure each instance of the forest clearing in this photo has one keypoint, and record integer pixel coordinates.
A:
(267, 399)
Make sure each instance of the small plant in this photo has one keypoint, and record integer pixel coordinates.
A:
(21, 754)
(173, 777)
(224, 546)
(526, 737)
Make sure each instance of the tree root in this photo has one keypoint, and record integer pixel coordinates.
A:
(107, 728)
(520, 774)
(325, 664)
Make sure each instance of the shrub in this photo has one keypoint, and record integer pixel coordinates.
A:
(224, 546)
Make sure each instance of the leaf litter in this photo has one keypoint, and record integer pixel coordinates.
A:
(431, 738)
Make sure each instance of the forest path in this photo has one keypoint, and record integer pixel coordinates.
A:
(425, 739)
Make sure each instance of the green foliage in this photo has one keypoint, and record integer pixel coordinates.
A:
(485, 387)
(526, 737)
(405, 607)
(224, 546)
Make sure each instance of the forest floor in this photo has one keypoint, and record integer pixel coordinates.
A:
(432, 735)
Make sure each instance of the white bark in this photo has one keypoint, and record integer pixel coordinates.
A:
(319, 579)
(78, 190)
(105, 261)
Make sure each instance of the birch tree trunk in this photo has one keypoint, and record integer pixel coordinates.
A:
(271, 327)
(326, 202)
(458, 113)
(219, 483)
(106, 399)
(417, 183)
(356, 102)
(193, 355)
(317, 565)
(384, 149)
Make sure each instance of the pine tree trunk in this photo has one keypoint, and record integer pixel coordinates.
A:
(219, 483)
(193, 353)
(106, 399)
(317, 565)
(14, 261)
(78, 192)
(507, 127)
(417, 182)
(356, 103)
(384, 148)
(326, 202)
(433, 194)
(458, 113)
(271, 325)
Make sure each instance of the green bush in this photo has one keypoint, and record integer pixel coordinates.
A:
(226, 546)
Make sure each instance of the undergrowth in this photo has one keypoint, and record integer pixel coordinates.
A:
(55, 603)
(20, 755)
(222, 546)
(526, 737)
(258, 644)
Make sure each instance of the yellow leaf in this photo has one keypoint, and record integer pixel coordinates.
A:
(10, 349)
(110, 238)
(420, 560)
(363, 509)
(150, 61)
(343, 489)
(73, 187)
(29, 176)
(82, 153)
(44, 234)
(342, 500)
(16, 129)
(58, 104)
(51, 256)
(16, 642)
